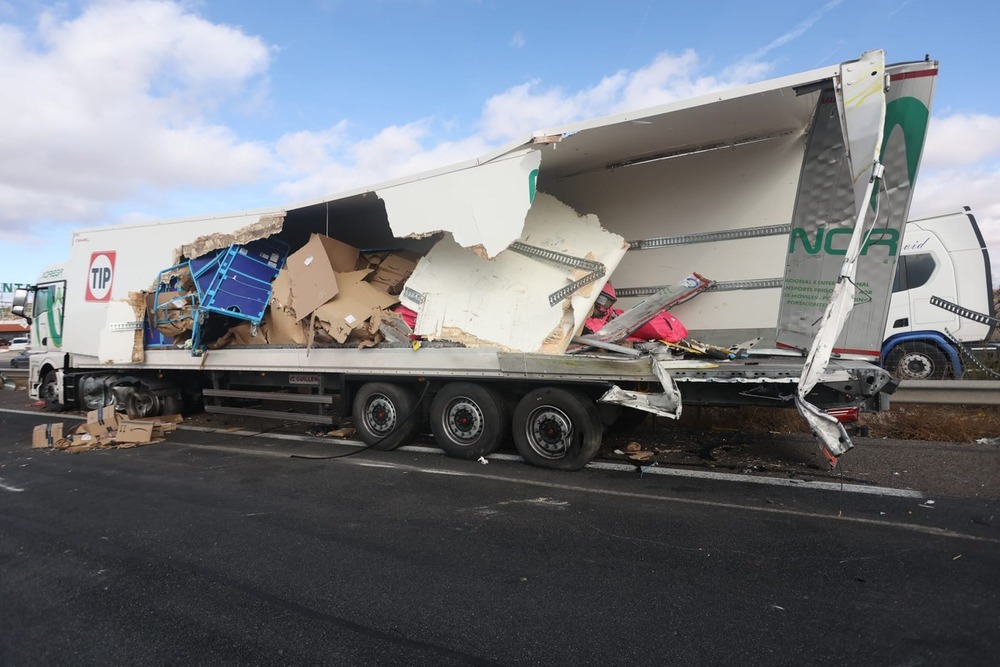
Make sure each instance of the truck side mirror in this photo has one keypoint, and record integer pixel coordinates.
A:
(23, 303)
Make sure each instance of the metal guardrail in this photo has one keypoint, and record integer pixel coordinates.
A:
(948, 392)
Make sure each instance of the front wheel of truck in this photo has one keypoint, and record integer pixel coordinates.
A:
(915, 360)
(49, 392)
(557, 428)
(385, 415)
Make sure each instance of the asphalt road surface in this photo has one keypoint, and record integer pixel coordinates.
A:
(221, 548)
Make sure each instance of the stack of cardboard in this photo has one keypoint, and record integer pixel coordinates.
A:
(332, 293)
(104, 429)
(327, 292)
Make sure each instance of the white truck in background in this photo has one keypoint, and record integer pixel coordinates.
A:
(509, 254)
(944, 259)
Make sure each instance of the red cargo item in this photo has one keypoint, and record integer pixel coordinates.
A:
(603, 310)
(663, 326)
(409, 316)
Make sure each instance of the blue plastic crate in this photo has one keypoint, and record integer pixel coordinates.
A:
(237, 281)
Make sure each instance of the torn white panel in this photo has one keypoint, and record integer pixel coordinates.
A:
(117, 340)
(861, 105)
(482, 206)
(504, 301)
(863, 117)
(665, 404)
(266, 225)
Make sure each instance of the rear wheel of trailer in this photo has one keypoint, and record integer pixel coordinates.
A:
(557, 428)
(469, 420)
(386, 415)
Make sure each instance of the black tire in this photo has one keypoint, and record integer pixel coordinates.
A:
(469, 420)
(48, 392)
(384, 415)
(557, 428)
(917, 361)
(142, 403)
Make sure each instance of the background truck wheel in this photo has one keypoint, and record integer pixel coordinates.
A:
(468, 420)
(917, 361)
(48, 392)
(384, 415)
(557, 428)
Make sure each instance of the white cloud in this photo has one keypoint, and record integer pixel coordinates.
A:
(531, 106)
(119, 99)
(961, 167)
(962, 139)
(329, 161)
(339, 165)
(518, 40)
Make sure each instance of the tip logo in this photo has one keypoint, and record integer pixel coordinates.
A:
(100, 276)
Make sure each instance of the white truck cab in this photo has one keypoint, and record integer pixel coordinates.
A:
(944, 257)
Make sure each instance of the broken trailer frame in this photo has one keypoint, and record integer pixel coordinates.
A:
(498, 306)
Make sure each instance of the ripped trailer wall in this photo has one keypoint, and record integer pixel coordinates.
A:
(706, 170)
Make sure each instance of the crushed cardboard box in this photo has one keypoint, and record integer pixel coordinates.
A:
(172, 314)
(352, 309)
(283, 328)
(95, 433)
(244, 333)
(329, 292)
(313, 269)
(392, 270)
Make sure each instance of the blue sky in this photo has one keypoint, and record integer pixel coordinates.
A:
(121, 111)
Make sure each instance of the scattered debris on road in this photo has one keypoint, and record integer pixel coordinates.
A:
(104, 429)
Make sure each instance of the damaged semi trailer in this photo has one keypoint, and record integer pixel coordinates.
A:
(461, 295)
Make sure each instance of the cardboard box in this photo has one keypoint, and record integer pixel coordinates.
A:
(86, 439)
(393, 271)
(174, 312)
(282, 327)
(281, 290)
(244, 333)
(313, 269)
(130, 430)
(370, 260)
(45, 436)
(101, 422)
(353, 307)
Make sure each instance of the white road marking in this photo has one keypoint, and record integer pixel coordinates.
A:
(770, 481)
(7, 487)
